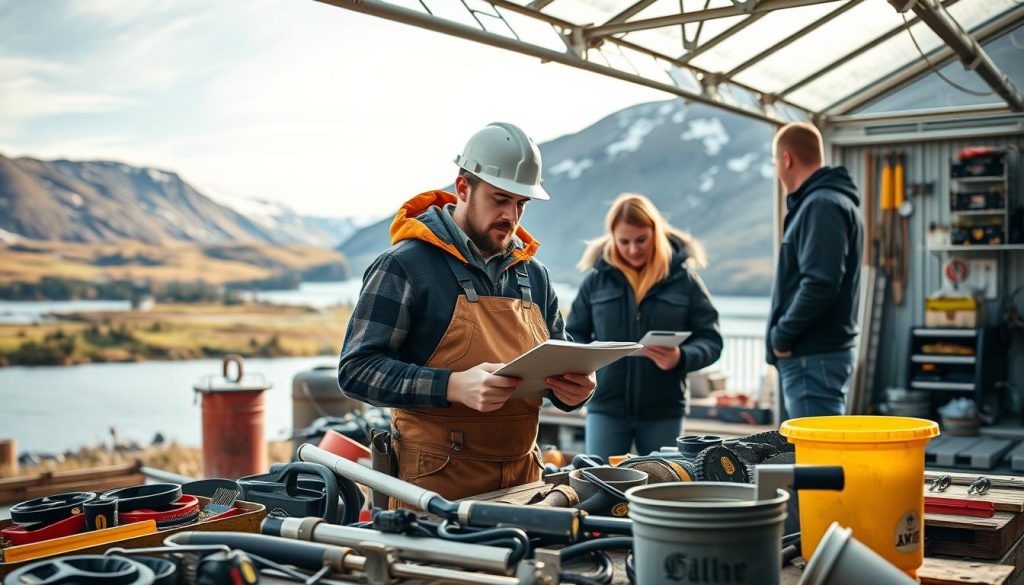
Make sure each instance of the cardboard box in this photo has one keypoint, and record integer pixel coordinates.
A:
(958, 312)
(248, 521)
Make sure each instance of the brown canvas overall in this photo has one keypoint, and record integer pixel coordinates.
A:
(457, 451)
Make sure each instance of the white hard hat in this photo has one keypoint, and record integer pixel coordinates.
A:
(504, 156)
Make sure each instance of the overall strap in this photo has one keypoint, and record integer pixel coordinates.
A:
(523, 280)
(463, 276)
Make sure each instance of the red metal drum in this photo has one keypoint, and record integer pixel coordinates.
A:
(233, 442)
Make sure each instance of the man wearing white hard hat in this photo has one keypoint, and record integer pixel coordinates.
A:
(457, 295)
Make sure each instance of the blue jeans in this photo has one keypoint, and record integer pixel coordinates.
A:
(815, 385)
(614, 435)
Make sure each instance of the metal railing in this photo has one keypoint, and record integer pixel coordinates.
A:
(742, 362)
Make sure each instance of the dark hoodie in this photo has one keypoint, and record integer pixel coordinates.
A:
(817, 282)
(606, 310)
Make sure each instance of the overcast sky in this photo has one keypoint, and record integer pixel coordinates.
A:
(330, 111)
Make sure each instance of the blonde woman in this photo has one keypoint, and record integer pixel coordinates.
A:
(641, 277)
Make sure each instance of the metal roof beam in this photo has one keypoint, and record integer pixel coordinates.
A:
(720, 37)
(940, 57)
(429, 22)
(630, 12)
(853, 54)
(786, 41)
(567, 28)
(970, 52)
(697, 16)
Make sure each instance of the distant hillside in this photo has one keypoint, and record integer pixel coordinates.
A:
(709, 171)
(32, 261)
(100, 201)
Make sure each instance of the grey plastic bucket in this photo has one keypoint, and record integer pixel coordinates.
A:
(843, 560)
(707, 533)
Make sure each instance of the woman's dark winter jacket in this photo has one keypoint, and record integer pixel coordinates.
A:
(606, 310)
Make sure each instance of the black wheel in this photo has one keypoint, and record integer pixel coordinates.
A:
(720, 464)
(50, 509)
(83, 570)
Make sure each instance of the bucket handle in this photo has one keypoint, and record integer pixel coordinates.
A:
(236, 359)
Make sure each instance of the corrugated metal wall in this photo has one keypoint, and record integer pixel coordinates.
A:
(928, 162)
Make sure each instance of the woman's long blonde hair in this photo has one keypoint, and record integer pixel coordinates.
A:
(637, 210)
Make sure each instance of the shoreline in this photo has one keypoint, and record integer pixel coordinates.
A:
(174, 332)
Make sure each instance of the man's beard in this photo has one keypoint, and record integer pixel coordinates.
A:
(483, 239)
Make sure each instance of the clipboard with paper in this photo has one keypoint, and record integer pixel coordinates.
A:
(556, 357)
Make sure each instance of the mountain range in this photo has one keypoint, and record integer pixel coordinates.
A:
(708, 171)
(101, 201)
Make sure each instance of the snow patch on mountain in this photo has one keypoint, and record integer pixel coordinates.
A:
(571, 167)
(9, 237)
(633, 139)
(710, 132)
(159, 176)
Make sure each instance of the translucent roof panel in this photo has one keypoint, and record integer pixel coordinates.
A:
(822, 46)
(878, 62)
(1006, 51)
(669, 40)
(768, 30)
(830, 56)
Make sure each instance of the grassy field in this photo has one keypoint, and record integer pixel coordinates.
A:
(30, 261)
(175, 331)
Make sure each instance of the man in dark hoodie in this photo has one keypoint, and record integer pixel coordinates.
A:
(813, 319)
(457, 295)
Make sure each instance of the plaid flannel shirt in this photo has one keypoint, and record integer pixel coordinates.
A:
(370, 369)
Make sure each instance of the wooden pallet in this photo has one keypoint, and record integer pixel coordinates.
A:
(29, 487)
(967, 452)
(1002, 499)
(978, 538)
(998, 481)
(954, 572)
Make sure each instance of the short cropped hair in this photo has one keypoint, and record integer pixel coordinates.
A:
(472, 179)
(803, 141)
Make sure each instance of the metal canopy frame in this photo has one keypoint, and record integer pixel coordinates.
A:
(611, 46)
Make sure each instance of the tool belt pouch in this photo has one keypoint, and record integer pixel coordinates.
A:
(384, 460)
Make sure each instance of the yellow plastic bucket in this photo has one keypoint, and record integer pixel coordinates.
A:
(883, 501)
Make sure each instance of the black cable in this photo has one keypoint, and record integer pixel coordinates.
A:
(277, 567)
(607, 525)
(522, 540)
(598, 544)
(603, 575)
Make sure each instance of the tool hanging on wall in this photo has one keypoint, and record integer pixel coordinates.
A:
(886, 196)
(904, 208)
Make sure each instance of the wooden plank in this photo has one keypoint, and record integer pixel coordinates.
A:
(953, 572)
(76, 475)
(999, 521)
(979, 538)
(38, 491)
(1007, 500)
(1002, 481)
(1015, 558)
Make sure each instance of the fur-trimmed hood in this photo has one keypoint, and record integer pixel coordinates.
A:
(687, 252)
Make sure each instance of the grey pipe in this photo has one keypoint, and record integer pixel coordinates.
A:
(431, 550)
(375, 480)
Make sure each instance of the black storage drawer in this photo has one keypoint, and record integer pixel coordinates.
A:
(986, 165)
(979, 200)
